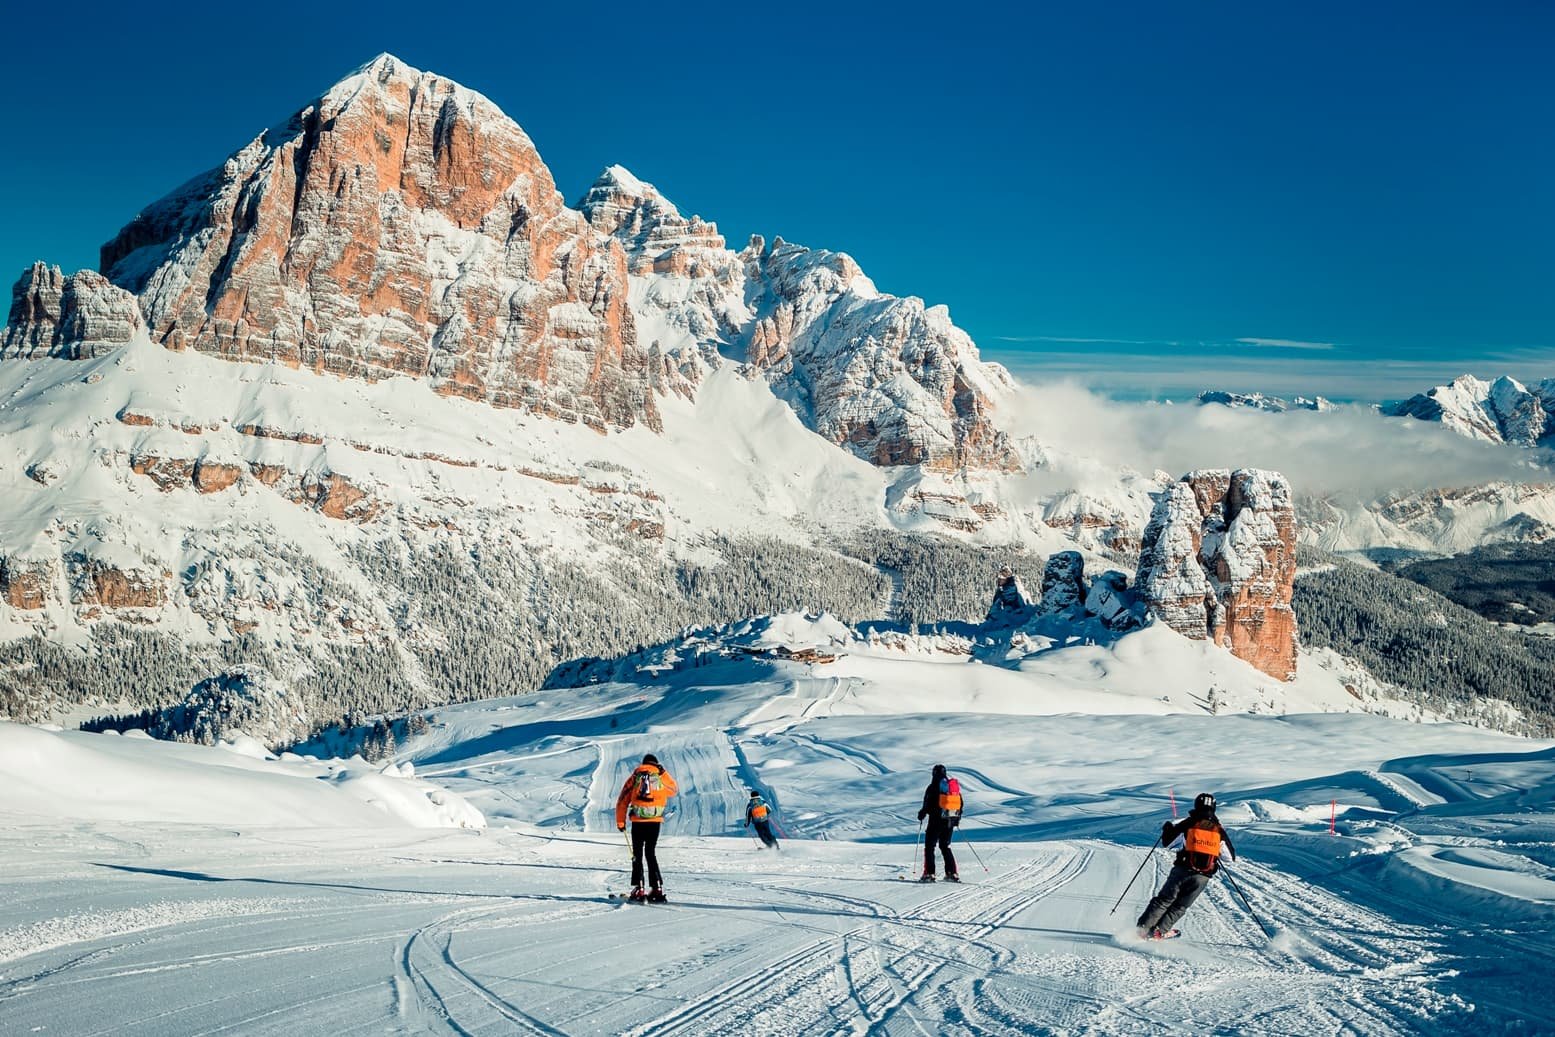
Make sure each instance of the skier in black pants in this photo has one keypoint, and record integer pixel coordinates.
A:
(1196, 864)
(643, 799)
(942, 806)
(759, 814)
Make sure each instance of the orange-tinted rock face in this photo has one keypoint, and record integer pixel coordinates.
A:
(210, 477)
(401, 225)
(25, 585)
(891, 380)
(1218, 561)
(169, 473)
(337, 497)
(111, 587)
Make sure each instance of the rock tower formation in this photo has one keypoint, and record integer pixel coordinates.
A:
(1219, 562)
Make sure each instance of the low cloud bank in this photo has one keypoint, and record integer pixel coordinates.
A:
(1350, 451)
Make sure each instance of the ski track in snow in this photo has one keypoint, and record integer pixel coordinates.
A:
(1416, 917)
(480, 935)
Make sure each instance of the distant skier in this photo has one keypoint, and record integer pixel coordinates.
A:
(759, 814)
(1196, 864)
(942, 806)
(643, 799)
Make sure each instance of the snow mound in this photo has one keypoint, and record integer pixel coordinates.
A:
(86, 777)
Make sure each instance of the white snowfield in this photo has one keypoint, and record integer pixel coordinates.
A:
(164, 889)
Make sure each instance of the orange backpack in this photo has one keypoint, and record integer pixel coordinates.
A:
(950, 801)
(1201, 842)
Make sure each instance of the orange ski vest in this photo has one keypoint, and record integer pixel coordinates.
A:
(1202, 844)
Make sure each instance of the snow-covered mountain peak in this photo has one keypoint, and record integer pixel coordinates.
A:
(1500, 411)
(888, 378)
(1263, 401)
(387, 77)
(400, 225)
(793, 270)
(657, 238)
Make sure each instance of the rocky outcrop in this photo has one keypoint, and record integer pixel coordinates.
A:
(687, 288)
(95, 582)
(888, 379)
(400, 225)
(1063, 586)
(1011, 603)
(337, 497)
(1110, 600)
(171, 473)
(72, 318)
(657, 238)
(215, 476)
(25, 584)
(1502, 411)
(1218, 561)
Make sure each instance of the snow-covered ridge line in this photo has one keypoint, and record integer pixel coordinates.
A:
(1499, 411)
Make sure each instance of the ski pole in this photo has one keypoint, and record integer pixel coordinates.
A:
(915, 847)
(1245, 903)
(979, 856)
(1149, 855)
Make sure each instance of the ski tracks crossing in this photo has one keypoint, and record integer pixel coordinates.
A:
(858, 979)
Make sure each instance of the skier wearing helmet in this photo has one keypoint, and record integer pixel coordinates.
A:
(1196, 863)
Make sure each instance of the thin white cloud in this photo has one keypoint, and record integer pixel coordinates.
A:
(1094, 341)
(1285, 343)
(1351, 452)
(1283, 373)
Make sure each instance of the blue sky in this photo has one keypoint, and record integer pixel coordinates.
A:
(1353, 199)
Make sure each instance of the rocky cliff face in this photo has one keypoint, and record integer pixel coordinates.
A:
(400, 225)
(687, 289)
(887, 378)
(1063, 586)
(1502, 411)
(1218, 561)
(72, 318)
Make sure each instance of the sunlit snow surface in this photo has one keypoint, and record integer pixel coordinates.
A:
(160, 889)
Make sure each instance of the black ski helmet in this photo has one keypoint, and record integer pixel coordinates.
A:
(755, 794)
(1204, 803)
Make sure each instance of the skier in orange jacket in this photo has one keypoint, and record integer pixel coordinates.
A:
(643, 798)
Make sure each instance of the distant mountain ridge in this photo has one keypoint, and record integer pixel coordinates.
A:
(1261, 401)
(1499, 411)
(886, 377)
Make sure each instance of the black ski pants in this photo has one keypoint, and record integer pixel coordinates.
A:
(764, 830)
(938, 834)
(1182, 887)
(645, 838)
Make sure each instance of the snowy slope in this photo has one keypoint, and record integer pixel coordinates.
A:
(1429, 909)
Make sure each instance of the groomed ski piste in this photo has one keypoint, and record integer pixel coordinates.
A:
(156, 888)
